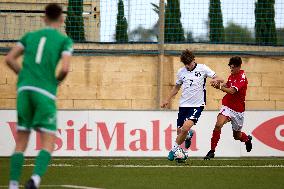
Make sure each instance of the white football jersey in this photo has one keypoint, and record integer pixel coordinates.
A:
(193, 85)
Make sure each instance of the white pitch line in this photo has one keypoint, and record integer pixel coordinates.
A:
(79, 187)
(159, 159)
(190, 166)
(52, 165)
(166, 166)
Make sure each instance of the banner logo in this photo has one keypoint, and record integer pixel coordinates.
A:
(271, 133)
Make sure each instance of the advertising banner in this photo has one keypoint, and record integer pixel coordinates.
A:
(146, 134)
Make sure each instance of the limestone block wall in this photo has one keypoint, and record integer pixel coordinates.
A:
(265, 81)
(15, 24)
(130, 82)
(109, 82)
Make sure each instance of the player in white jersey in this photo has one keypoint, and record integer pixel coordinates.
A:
(191, 78)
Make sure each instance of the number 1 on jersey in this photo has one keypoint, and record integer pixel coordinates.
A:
(40, 50)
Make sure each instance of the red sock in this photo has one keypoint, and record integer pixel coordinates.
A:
(215, 138)
(244, 137)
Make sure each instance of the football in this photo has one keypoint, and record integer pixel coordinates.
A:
(181, 155)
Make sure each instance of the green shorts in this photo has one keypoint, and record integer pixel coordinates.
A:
(36, 111)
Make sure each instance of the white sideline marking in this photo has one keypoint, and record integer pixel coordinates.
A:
(61, 186)
(159, 159)
(166, 166)
(52, 165)
(80, 187)
(194, 166)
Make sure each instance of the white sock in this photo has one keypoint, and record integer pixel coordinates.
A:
(176, 146)
(13, 184)
(36, 180)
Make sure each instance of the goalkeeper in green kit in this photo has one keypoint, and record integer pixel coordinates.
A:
(36, 91)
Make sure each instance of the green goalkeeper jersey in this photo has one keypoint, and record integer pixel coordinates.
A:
(42, 52)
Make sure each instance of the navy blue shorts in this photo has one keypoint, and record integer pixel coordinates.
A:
(188, 113)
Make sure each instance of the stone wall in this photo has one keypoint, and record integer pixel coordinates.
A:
(20, 16)
(131, 82)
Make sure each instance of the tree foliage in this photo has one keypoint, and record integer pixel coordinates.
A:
(144, 35)
(280, 36)
(216, 28)
(74, 23)
(237, 34)
(173, 28)
(265, 29)
(121, 25)
(189, 37)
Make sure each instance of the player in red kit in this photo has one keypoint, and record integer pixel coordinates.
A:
(233, 106)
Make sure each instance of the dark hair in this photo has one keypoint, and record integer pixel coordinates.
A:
(236, 61)
(53, 11)
(187, 56)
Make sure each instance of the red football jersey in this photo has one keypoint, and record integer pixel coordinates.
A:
(236, 101)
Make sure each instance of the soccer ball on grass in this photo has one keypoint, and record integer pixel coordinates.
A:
(181, 155)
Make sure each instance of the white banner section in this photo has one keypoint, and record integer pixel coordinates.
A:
(146, 134)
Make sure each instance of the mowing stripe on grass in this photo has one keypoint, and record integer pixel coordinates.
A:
(61, 186)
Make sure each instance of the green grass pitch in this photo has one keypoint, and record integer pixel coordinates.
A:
(144, 173)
